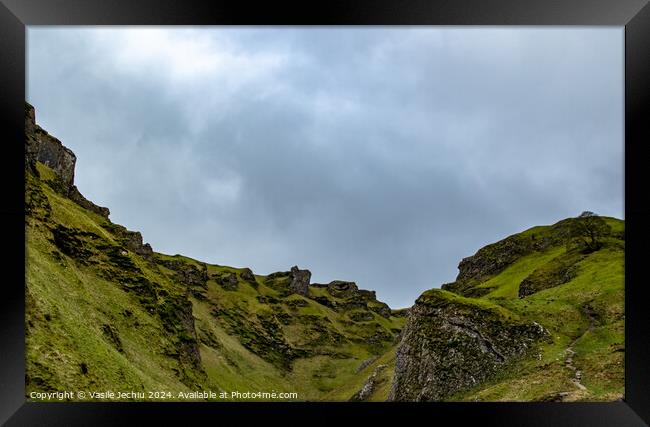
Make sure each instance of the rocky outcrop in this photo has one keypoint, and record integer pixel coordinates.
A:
(496, 257)
(341, 289)
(186, 273)
(132, 240)
(346, 296)
(558, 271)
(188, 343)
(451, 343)
(247, 276)
(78, 198)
(369, 386)
(295, 281)
(228, 281)
(42, 147)
(176, 316)
(300, 281)
(488, 261)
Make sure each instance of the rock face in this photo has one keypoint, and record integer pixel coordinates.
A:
(132, 240)
(48, 150)
(348, 296)
(369, 386)
(451, 343)
(295, 281)
(341, 289)
(188, 344)
(496, 257)
(489, 260)
(186, 273)
(248, 276)
(558, 271)
(78, 198)
(228, 281)
(43, 147)
(300, 281)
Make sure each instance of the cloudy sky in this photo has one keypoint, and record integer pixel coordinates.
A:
(381, 155)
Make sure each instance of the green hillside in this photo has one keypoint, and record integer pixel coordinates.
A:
(106, 312)
(543, 276)
(585, 316)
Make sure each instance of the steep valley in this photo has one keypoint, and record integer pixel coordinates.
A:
(534, 316)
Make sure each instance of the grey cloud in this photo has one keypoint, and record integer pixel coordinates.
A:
(380, 155)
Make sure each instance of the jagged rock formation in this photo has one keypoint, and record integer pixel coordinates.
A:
(452, 343)
(300, 281)
(132, 240)
(295, 281)
(343, 295)
(43, 147)
(187, 274)
(48, 150)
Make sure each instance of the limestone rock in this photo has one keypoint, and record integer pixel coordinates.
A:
(78, 198)
(341, 289)
(42, 147)
(248, 276)
(451, 343)
(369, 386)
(132, 240)
(227, 281)
(48, 150)
(186, 273)
(300, 281)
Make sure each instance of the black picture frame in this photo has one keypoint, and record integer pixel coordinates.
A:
(634, 15)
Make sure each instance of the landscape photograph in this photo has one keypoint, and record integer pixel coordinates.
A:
(338, 214)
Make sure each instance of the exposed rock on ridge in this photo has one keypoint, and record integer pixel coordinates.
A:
(43, 147)
(348, 296)
(300, 280)
(496, 257)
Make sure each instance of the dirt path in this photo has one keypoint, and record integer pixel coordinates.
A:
(570, 352)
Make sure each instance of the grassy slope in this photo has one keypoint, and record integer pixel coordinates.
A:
(599, 349)
(69, 306)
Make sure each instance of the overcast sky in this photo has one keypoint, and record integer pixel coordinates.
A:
(381, 155)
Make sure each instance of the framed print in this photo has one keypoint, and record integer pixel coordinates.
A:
(345, 210)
